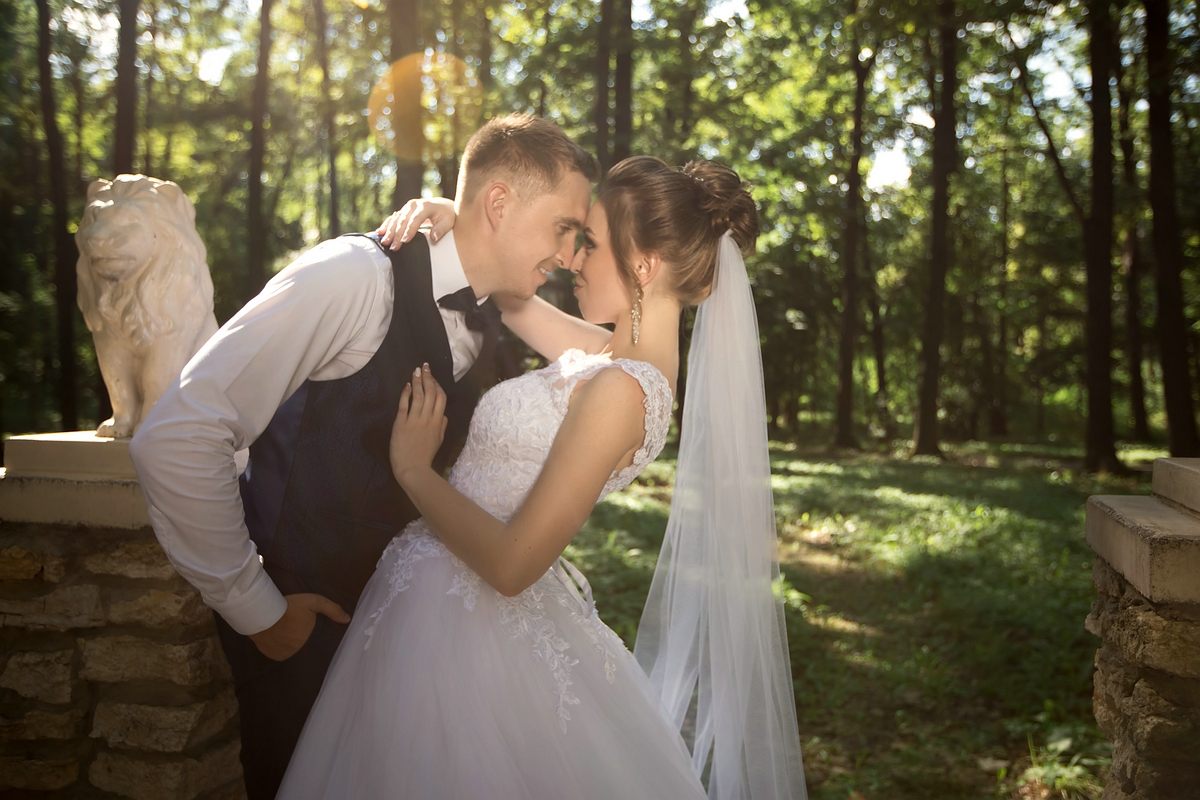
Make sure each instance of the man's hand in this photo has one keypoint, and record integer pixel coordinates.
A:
(282, 640)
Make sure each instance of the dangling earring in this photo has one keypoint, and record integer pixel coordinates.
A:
(636, 313)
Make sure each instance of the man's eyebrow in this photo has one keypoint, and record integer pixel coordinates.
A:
(571, 222)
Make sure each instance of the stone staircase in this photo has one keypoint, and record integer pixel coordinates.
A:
(1154, 541)
(1146, 684)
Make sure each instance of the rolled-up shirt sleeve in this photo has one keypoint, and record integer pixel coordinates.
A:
(319, 318)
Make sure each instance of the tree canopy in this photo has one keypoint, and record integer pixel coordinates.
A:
(927, 174)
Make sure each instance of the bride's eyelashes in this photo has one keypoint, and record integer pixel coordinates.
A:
(584, 242)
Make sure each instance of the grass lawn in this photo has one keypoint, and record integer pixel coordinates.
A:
(935, 613)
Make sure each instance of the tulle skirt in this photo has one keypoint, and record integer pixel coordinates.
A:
(444, 688)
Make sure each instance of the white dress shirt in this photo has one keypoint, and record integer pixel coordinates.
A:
(320, 318)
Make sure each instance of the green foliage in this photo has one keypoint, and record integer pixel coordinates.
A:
(766, 87)
(934, 614)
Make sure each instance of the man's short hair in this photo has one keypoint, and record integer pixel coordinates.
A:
(531, 153)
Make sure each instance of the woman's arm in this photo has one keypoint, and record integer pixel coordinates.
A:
(550, 330)
(604, 423)
(540, 324)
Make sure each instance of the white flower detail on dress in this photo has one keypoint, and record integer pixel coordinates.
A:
(466, 585)
(597, 632)
(408, 547)
(524, 615)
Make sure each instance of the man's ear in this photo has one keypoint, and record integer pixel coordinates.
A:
(497, 197)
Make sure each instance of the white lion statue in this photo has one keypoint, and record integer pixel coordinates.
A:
(144, 290)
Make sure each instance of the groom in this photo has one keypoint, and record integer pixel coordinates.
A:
(308, 375)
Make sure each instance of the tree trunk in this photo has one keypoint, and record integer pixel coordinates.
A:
(998, 404)
(1182, 437)
(64, 246)
(327, 113)
(602, 69)
(79, 186)
(148, 106)
(883, 412)
(1131, 256)
(256, 231)
(985, 382)
(126, 121)
(926, 441)
(1100, 450)
(851, 218)
(548, 48)
(1039, 378)
(450, 190)
(406, 117)
(169, 133)
(680, 113)
(623, 82)
(485, 63)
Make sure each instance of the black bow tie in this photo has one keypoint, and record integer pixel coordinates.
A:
(478, 317)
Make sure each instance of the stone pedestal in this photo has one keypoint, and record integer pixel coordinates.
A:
(1146, 691)
(111, 677)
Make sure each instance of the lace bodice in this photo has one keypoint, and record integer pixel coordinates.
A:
(516, 421)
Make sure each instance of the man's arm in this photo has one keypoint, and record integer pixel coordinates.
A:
(307, 322)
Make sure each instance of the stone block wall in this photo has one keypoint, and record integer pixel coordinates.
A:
(112, 681)
(1146, 683)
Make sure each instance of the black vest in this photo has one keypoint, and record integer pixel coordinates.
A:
(320, 499)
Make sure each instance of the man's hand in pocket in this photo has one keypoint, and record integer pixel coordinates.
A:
(284, 639)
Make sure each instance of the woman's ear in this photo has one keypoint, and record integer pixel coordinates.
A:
(647, 268)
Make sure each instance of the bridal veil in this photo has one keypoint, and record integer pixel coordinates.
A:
(712, 633)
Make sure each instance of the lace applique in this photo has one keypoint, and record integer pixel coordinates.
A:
(597, 631)
(601, 636)
(466, 585)
(524, 615)
(409, 549)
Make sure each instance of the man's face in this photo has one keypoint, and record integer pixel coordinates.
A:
(538, 234)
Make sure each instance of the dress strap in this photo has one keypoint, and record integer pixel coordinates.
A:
(575, 583)
(574, 365)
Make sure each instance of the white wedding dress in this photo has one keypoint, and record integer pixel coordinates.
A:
(444, 688)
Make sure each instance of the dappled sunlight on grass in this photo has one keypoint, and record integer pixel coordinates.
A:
(934, 608)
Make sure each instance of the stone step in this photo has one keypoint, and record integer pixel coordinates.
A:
(80, 455)
(1154, 545)
(1178, 480)
(76, 455)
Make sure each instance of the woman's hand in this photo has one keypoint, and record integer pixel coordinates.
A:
(402, 225)
(420, 424)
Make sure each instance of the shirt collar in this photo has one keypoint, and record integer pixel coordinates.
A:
(448, 274)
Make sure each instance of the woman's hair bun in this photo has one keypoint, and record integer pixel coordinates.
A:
(726, 200)
(679, 214)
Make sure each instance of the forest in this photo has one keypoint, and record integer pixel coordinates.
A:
(966, 235)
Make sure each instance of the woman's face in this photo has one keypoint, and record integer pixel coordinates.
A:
(601, 293)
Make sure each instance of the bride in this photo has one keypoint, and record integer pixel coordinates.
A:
(476, 664)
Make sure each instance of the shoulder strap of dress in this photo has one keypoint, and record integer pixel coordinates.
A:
(657, 403)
